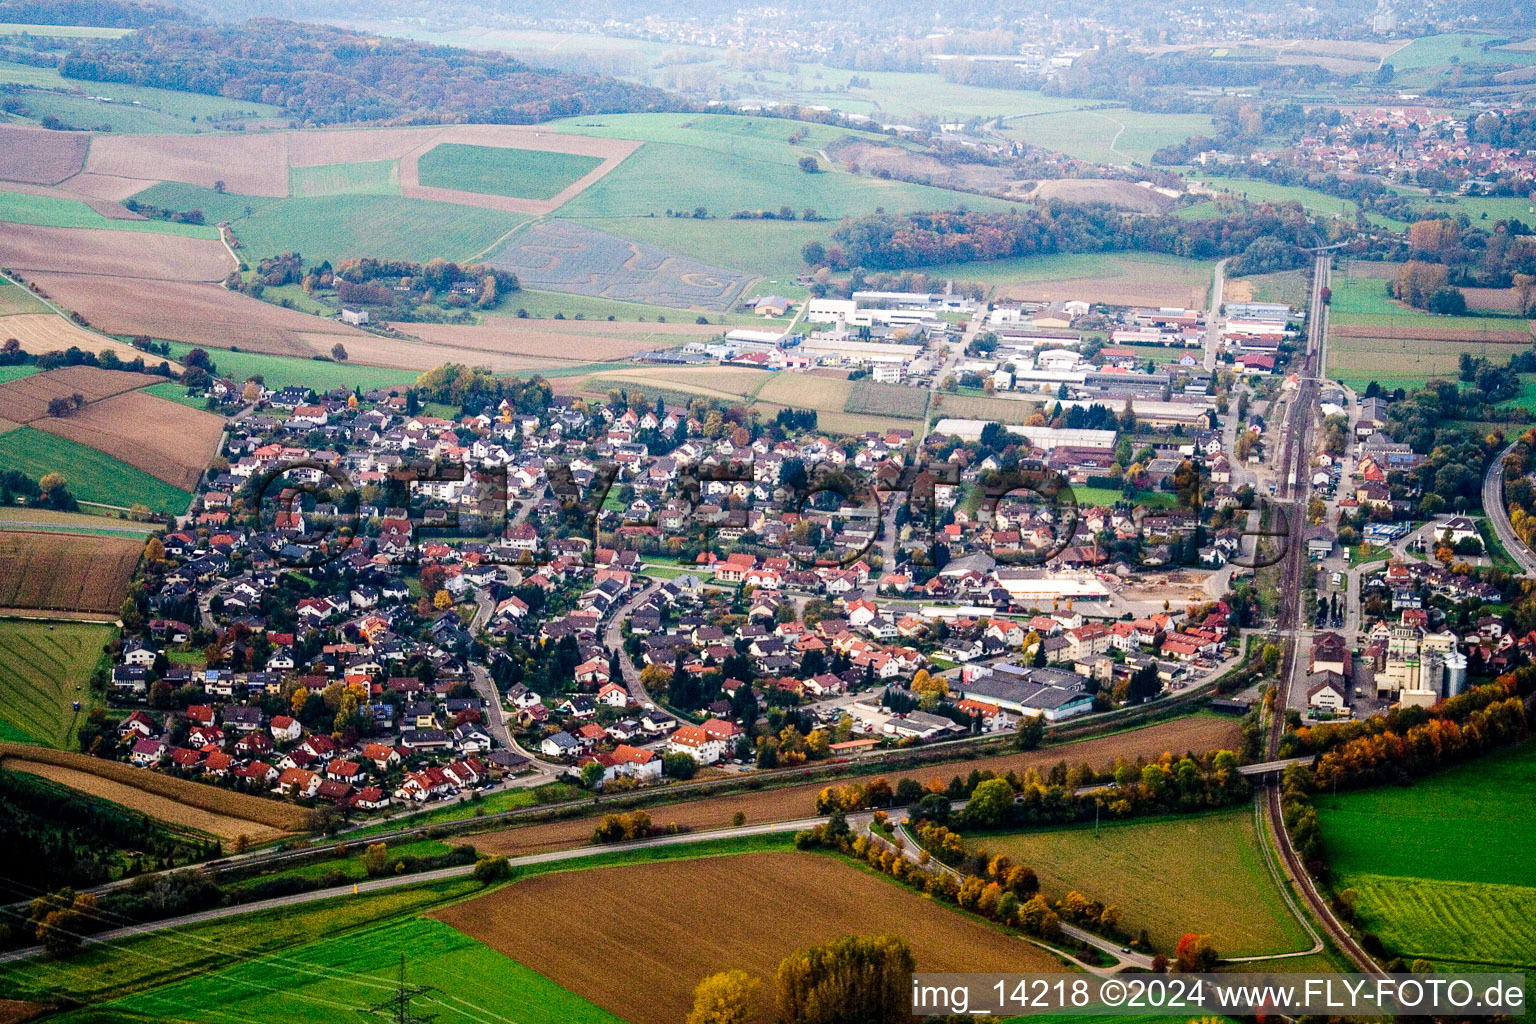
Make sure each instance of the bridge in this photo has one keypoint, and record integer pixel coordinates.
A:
(1276, 767)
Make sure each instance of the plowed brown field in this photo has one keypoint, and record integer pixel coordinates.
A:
(107, 187)
(39, 156)
(49, 332)
(1198, 733)
(672, 923)
(199, 314)
(65, 572)
(250, 164)
(26, 399)
(357, 145)
(159, 807)
(112, 253)
(167, 440)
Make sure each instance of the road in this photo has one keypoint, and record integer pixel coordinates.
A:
(1294, 488)
(613, 639)
(1213, 318)
(1498, 515)
(394, 882)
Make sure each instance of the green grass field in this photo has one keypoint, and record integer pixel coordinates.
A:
(17, 372)
(134, 108)
(1312, 199)
(544, 305)
(1363, 301)
(727, 163)
(317, 981)
(1118, 136)
(216, 206)
(175, 392)
(392, 227)
(101, 973)
(16, 208)
(63, 31)
(1203, 873)
(44, 668)
(369, 177)
(1442, 867)
(16, 299)
(1131, 266)
(281, 371)
(767, 247)
(494, 170)
(92, 476)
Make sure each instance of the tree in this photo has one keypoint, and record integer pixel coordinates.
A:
(851, 980)
(339, 352)
(990, 804)
(1195, 954)
(592, 774)
(1030, 731)
(154, 551)
(375, 860)
(442, 599)
(729, 997)
(489, 870)
(809, 165)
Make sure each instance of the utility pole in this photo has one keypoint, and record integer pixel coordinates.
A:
(398, 1008)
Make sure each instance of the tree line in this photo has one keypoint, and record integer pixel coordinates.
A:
(324, 75)
(893, 242)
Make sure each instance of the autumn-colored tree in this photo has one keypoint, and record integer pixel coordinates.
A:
(376, 859)
(729, 997)
(1195, 954)
(854, 978)
(442, 599)
(154, 551)
(299, 699)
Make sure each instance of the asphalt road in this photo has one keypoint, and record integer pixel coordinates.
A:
(1498, 515)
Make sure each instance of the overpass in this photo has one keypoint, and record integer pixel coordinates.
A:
(1276, 767)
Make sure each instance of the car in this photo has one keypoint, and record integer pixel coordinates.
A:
(1125, 949)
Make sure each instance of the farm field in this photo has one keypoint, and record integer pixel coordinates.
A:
(22, 517)
(1198, 733)
(1121, 278)
(979, 407)
(584, 341)
(570, 256)
(770, 248)
(546, 305)
(1315, 200)
(1359, 300)
(723, 382)
(1288, 286)
(93, 476)
(368, 177)
(44, 668)
(1207, 875)
(475, 983)
(15, 299)
(751, 165)
(189, 311)
(49, 211)
(1440, 865)
(54, 571)
(26, 400)
(115, 972)
(522, 173)
(281, 371)
(1394, 361)
(886, 400)
(1118, 136)
(168, 440)
(39, 157)
(335, 227)
(113, 252)
(174, 391)
(219, 812)
(559, 926)
(164, 110)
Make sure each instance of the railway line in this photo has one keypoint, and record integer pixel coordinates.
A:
(1293, 491)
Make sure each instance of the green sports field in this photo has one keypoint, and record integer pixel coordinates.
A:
(92, 476)
(1443, 867)
(46, 211)
(44, 668)
(493, 170)
(1202, 873)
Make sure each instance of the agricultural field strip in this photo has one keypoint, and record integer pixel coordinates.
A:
(56, 571)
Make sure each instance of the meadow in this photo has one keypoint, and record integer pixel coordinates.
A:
(16, 299)
(44, 668)
(92, 476)
(1203, 873)
(134, 107)
(281, 371)
(1442, 867)
(1117, 136)
(1130, 278)
(334, 227)
(366, 177)
(47, 211)
(494, 170)
(1358, 300)
(118, 971)
(320, 979)
(1312, 199)
(544, 305)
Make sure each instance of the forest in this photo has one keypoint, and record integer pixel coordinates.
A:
(107, 13)
(892, 242)
(324, 75)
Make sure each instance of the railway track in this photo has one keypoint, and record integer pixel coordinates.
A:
(1294, 490)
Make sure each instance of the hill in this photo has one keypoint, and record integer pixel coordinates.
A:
(325, 75)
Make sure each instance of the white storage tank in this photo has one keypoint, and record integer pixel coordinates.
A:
(1455, 673)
